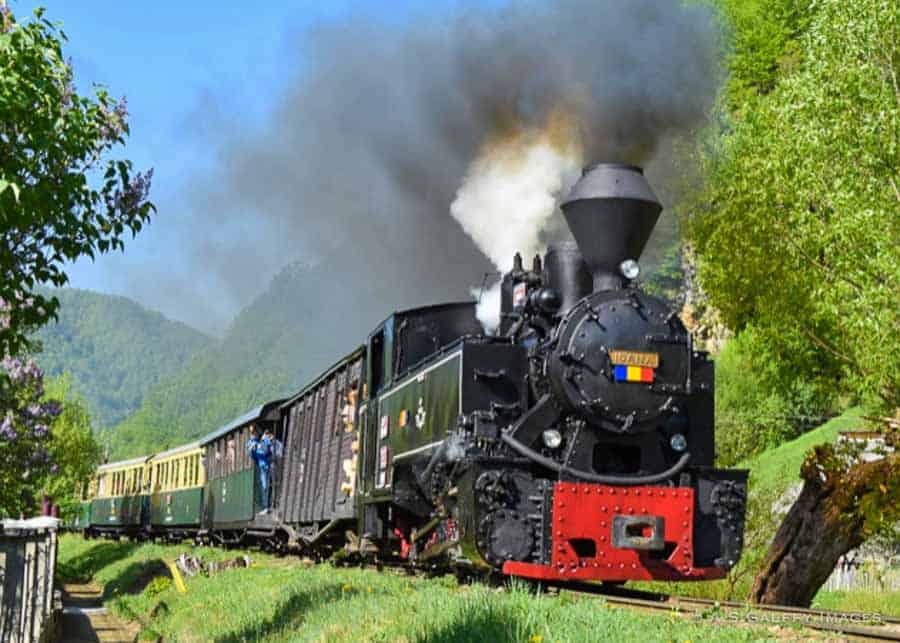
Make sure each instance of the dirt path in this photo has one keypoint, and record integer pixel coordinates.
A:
(86, 620)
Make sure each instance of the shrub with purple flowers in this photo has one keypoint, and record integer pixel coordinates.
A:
(62, 196)
(25, 434)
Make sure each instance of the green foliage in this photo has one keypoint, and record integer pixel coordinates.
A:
(72, 448)
(755, 408)
(115, 349)
(796, 224)
(157, 586)
(61, 195)
(764, 45)
(667, 278)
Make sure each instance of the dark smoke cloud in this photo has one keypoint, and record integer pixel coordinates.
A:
(354, 173)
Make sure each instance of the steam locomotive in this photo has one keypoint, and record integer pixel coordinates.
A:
(575, 443)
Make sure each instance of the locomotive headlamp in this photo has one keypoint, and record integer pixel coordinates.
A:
(552, 438)
(678, 442)
(630, 269)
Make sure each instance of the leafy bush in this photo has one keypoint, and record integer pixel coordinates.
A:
(157, 586)
(754, 410)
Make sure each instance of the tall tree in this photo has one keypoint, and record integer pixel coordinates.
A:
(71, 447)
(62, 195)
(798, 232)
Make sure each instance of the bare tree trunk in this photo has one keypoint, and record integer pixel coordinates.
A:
(825, 522)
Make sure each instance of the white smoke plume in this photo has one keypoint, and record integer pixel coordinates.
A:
(508, 197)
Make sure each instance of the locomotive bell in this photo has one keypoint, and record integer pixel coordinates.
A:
(611, 212)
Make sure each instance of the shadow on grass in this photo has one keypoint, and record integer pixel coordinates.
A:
(496, 627)
(289, 615)
(84, 566)
(134, 578)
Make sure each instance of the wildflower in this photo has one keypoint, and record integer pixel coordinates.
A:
(536, 638)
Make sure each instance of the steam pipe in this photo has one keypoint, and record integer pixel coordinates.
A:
(536, 457)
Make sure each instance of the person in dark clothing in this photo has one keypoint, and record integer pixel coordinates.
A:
(276, 453)
(261, 452)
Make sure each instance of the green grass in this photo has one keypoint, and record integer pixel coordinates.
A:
(773, 471)
(886, 603)
(279, 599)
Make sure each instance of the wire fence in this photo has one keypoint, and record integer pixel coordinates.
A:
(869, 575)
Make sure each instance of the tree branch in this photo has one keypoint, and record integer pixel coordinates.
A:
(825, 346)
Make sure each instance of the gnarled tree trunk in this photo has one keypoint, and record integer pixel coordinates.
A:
(826, 521)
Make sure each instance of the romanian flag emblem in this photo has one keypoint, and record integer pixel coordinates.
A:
(633, 374)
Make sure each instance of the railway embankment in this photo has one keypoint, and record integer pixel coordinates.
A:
(284, 599)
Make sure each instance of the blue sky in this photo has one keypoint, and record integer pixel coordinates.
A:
(172, 60)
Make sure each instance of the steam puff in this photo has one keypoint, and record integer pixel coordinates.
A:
(508, 197)
(488, 308)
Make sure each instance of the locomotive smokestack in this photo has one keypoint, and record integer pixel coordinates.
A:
(611, 212)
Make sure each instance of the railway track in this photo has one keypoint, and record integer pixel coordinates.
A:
(851, 624)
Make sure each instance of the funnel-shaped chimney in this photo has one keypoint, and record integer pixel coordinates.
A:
(611, 212)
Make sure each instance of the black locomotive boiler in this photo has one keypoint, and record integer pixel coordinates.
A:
(575, 443)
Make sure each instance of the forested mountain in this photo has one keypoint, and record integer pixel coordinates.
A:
(115, 349)
(306, 319)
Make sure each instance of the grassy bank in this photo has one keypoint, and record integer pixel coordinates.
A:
(279, 599)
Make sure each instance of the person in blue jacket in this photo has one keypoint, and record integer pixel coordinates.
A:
(261, 452)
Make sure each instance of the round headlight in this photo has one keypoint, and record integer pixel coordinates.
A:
(678, 442)
(552, 438)
(630, 269)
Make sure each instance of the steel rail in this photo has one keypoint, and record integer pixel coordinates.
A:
(817, 619)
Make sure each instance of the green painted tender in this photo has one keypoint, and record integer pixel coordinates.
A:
(416, 415)
(181, 508)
